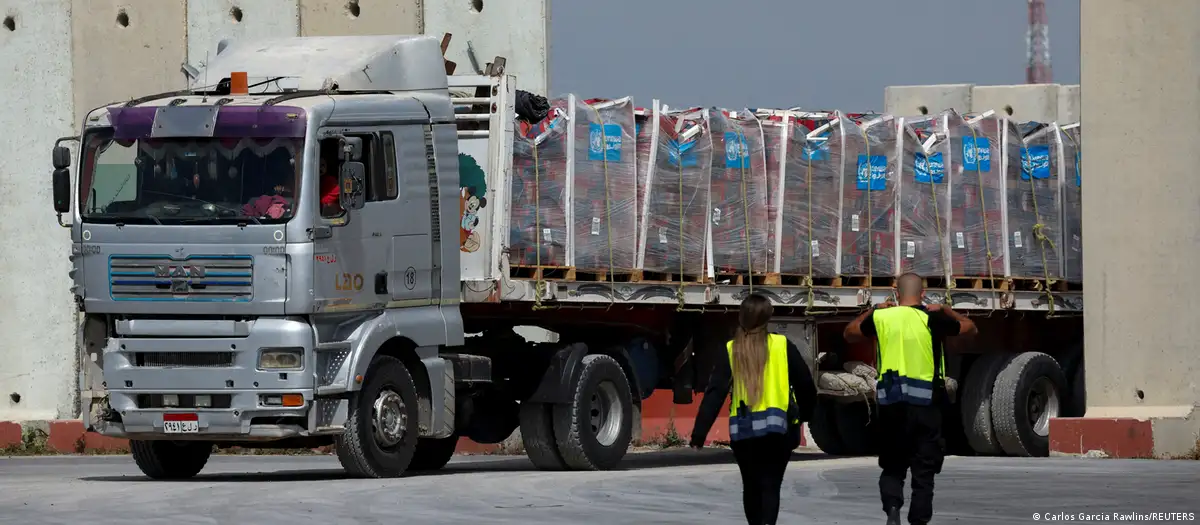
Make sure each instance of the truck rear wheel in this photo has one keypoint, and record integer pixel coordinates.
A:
(976, 404)
(594, 431)
(433, 453)
(381, 431)
(824, 428)
(170, 459)
(1028, 392)
(537, 435)
(855, 429)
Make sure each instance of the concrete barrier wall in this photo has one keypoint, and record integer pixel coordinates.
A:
(62, 58)
(37, 316)
(1029, 102)
(361, 17)
(491, 28)
(210, 21)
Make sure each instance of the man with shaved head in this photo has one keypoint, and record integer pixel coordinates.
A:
(911, 391)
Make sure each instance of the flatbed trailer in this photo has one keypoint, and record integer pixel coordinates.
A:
(388, 330)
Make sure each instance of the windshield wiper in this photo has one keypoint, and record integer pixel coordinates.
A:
(241, 219)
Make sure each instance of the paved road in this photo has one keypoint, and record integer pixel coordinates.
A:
(675, 487)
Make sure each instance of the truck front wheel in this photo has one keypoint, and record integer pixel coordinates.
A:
(594, 430)
(170, 459)
(433, 453)
(381, 431)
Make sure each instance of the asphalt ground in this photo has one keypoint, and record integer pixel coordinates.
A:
(671, 487)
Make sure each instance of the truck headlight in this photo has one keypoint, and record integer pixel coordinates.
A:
(278, 359)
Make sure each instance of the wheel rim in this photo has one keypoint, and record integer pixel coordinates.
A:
(389, 419)
(1043, 404)
(606, 416)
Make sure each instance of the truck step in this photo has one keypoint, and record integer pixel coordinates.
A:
(333, 346)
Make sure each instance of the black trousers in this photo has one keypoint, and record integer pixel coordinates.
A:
(762, 461)
(913, 441)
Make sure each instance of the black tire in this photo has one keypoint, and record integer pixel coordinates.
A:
(537, 436)
(1077, 400)
(358, 450)
(824, 428)
(580, 425)
(1012, 396)
(432, 453)
(856, 428)
(976, 403)
(170, 459)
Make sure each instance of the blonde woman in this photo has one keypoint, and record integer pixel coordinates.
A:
(772, 394)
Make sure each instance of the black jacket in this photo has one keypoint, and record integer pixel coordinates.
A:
(799, 376)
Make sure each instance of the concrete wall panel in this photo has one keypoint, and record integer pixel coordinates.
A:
(361, 17)
(514, 29)
(1141, 58)
(125, 48)
(210, 21)
(1068, 104)
(37, 315)
(1027, 102)
(918, 100)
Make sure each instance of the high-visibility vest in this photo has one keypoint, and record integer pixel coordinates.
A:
(770, 414)
(905, 358)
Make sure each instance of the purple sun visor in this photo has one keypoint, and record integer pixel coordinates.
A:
(207, 121)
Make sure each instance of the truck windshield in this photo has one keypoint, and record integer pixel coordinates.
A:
(188, 180)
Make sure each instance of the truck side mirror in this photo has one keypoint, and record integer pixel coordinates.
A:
(61, 157)
(351, 148)
(62, 189)
(353, 177)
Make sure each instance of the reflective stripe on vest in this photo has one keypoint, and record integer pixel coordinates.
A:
(769, 415)
(905, 358)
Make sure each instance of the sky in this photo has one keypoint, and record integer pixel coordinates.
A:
(830, 54)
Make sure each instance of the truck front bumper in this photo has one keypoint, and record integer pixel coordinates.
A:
(212, 386)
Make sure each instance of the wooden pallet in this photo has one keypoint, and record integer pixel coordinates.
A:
(663, 277)
(979, 283)
(605, 276)
(563, 273)
(1037, 284)
(794, 279)
(758, 279)
(864, 281)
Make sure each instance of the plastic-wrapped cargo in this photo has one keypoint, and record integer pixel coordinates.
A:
(924, 195)
(538, 213)
(739, 193)
(865, 150)
(976, 195)
(604, 187)
(1072, 137)
(808, 241)
(645, 144)
(1034, 208)
(675, 230)
(773, 150)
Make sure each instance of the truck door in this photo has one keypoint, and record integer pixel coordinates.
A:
(375, 254)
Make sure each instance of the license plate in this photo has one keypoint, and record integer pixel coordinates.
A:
(181, 423)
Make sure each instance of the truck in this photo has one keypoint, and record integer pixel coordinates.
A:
(309, 246)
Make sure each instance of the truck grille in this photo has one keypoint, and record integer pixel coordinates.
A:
(195, 278)
(183, 359)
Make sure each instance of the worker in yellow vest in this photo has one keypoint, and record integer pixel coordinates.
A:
(773, 393)
(911, 392)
